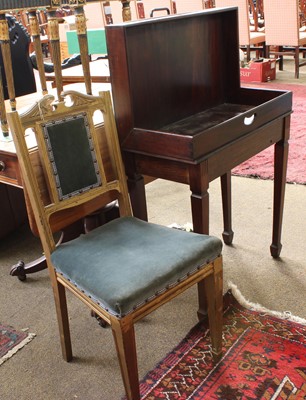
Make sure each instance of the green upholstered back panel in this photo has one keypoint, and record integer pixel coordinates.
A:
(96, 41)
(72, 155)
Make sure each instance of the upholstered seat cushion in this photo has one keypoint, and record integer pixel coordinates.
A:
(127, 261)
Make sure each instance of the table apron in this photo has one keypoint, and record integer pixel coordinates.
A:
(218, 162)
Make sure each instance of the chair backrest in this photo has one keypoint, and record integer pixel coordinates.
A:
(282, 22)
(77, 168)
(302, 9)
(243, 18)
(24, 79)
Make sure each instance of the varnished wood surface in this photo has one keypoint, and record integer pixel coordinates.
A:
(11, 174)
(192, 122)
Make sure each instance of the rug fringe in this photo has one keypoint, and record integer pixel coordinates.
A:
(11, 352)
(259, 308)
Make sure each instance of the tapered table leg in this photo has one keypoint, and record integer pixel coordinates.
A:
(200, 216)
(226, 189)
(199, 184)
(280, 172)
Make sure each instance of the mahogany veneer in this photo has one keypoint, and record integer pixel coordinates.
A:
(182, 115)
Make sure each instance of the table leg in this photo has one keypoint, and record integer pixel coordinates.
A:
(280, 171)
(226, 189)
(136, 188)
(198, 182)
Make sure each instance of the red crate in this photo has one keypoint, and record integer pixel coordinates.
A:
(259, 71)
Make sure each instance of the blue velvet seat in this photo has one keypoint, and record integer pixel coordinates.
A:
(125, 263)
(122, 270)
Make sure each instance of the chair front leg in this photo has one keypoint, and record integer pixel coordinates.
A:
(124, 336)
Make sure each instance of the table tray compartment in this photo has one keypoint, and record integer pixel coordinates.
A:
(196, 135)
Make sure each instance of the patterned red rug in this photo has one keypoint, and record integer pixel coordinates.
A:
(264, 358)
(261, 165)
(11, 341)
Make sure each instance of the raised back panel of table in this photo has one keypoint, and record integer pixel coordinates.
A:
(176, 85)
(172, 68)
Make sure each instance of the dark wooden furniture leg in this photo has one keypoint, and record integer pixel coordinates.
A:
(280, 169)
(138, 197)
(136, 186)
(226, 189)
(21, 269)
(198, 182)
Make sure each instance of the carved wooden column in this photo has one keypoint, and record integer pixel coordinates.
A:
(7, 62)
(35, 33)
(55, 49)
(81, 29)
(4, 125)
(126, 10)
(7, 59)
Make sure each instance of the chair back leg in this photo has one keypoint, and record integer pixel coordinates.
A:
(297, 62)
(214, 293)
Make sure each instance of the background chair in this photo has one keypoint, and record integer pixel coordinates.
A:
(302, 10)
(126, 268)
(24, 79)
(282, 27)
(23, 18)
(248, 39)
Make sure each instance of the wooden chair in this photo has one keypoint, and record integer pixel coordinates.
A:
(44, 32)
(302, 11)
(126, 268)
(23, 74)
(248, 39)
(282, 27)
